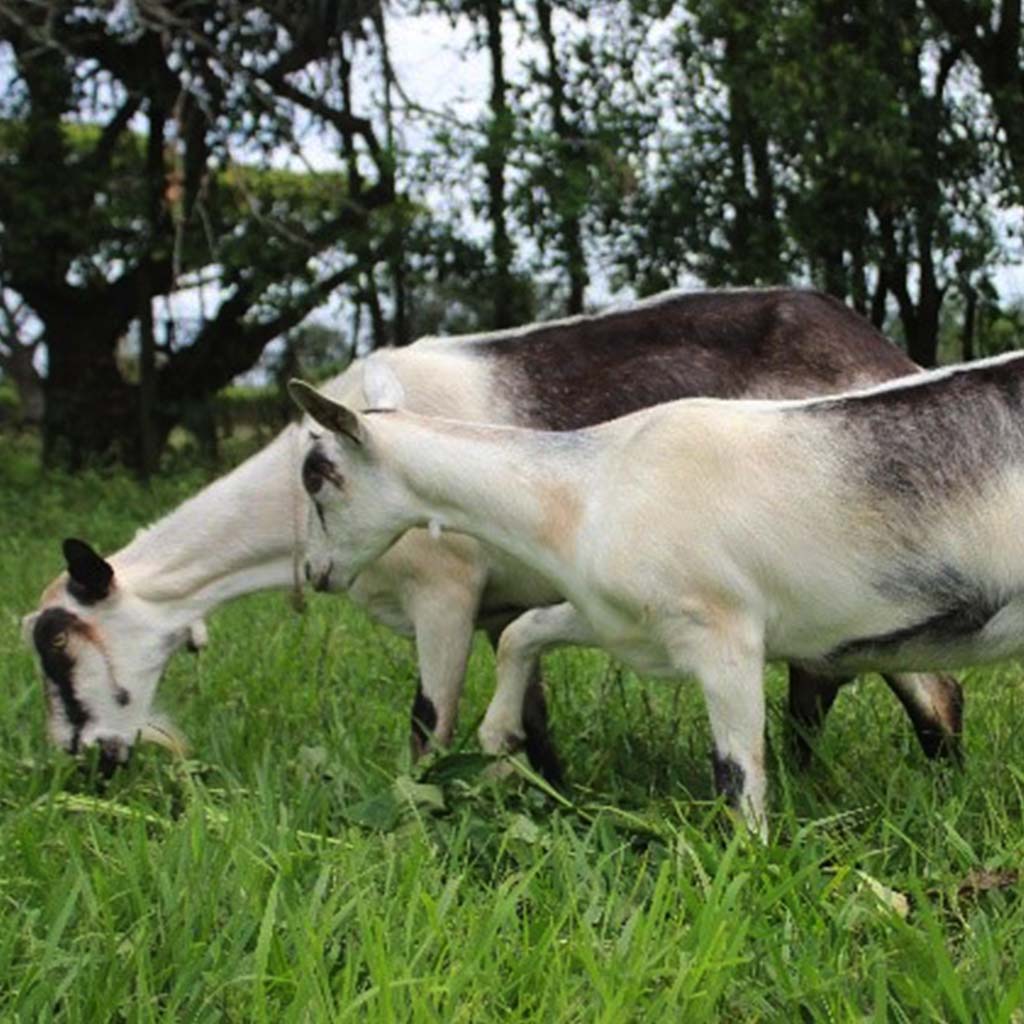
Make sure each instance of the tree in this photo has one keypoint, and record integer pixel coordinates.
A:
(19, 342)
(96, 223)
(494, 156)
(557, 187)
(990, 31)
(799, 141)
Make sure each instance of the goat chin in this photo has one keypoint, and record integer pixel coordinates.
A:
(163, 733)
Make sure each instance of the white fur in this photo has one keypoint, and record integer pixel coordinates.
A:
(382, 388)
(674, 535)
(236, 536)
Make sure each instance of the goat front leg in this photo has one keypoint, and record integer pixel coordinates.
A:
(517, 715)
(728, 660)
(444, 618)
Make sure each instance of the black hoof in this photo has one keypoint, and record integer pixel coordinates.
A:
(424, 721)
(540, 748)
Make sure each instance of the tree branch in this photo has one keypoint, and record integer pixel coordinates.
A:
(99, 158)
(208, 365)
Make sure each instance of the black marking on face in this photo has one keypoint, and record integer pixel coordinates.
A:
(316, 468)
(540, 747)
(424, 720)
(50, 635)
(322, 583)
(729, 778)
(113, 754)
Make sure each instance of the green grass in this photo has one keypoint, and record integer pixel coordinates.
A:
(298, 868)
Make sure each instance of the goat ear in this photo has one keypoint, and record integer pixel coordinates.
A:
(381, 386)
(91, 575)
(326, 412)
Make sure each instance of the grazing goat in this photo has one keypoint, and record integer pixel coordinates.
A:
(105, 630)
(674, 535)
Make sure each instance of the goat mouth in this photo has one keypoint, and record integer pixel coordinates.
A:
(114, 754)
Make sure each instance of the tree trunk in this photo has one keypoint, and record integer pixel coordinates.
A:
(879, 301)
(495, 158)
(148, 453)
(923, 340)
(19, 366)
(91, 411)
(755, 240)
(967, 331)
(155, 183)
(396, 241)
(571, 160)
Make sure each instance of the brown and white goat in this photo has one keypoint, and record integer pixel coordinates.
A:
(105, 630)
(673, 534)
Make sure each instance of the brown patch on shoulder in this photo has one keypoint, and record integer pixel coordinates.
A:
(562, 510)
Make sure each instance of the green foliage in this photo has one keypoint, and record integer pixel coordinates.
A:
(8, 401)
(245, 205)
(296, 867)
(139, 154)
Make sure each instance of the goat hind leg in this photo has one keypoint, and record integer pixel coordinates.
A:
(540, 747)
(810, 698)
(934, 702)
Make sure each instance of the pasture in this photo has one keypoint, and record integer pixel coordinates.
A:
(297, 867)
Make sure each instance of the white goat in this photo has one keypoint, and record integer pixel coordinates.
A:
(105, 630)
(672, 533)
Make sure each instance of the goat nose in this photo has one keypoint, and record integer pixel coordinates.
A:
(113, 754)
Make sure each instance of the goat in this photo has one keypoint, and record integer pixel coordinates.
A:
(120, 619)
(673, 537)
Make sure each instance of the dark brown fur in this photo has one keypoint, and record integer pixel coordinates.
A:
(769, 343)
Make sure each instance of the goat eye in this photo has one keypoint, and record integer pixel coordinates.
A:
(317, 468)
(59, 640)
